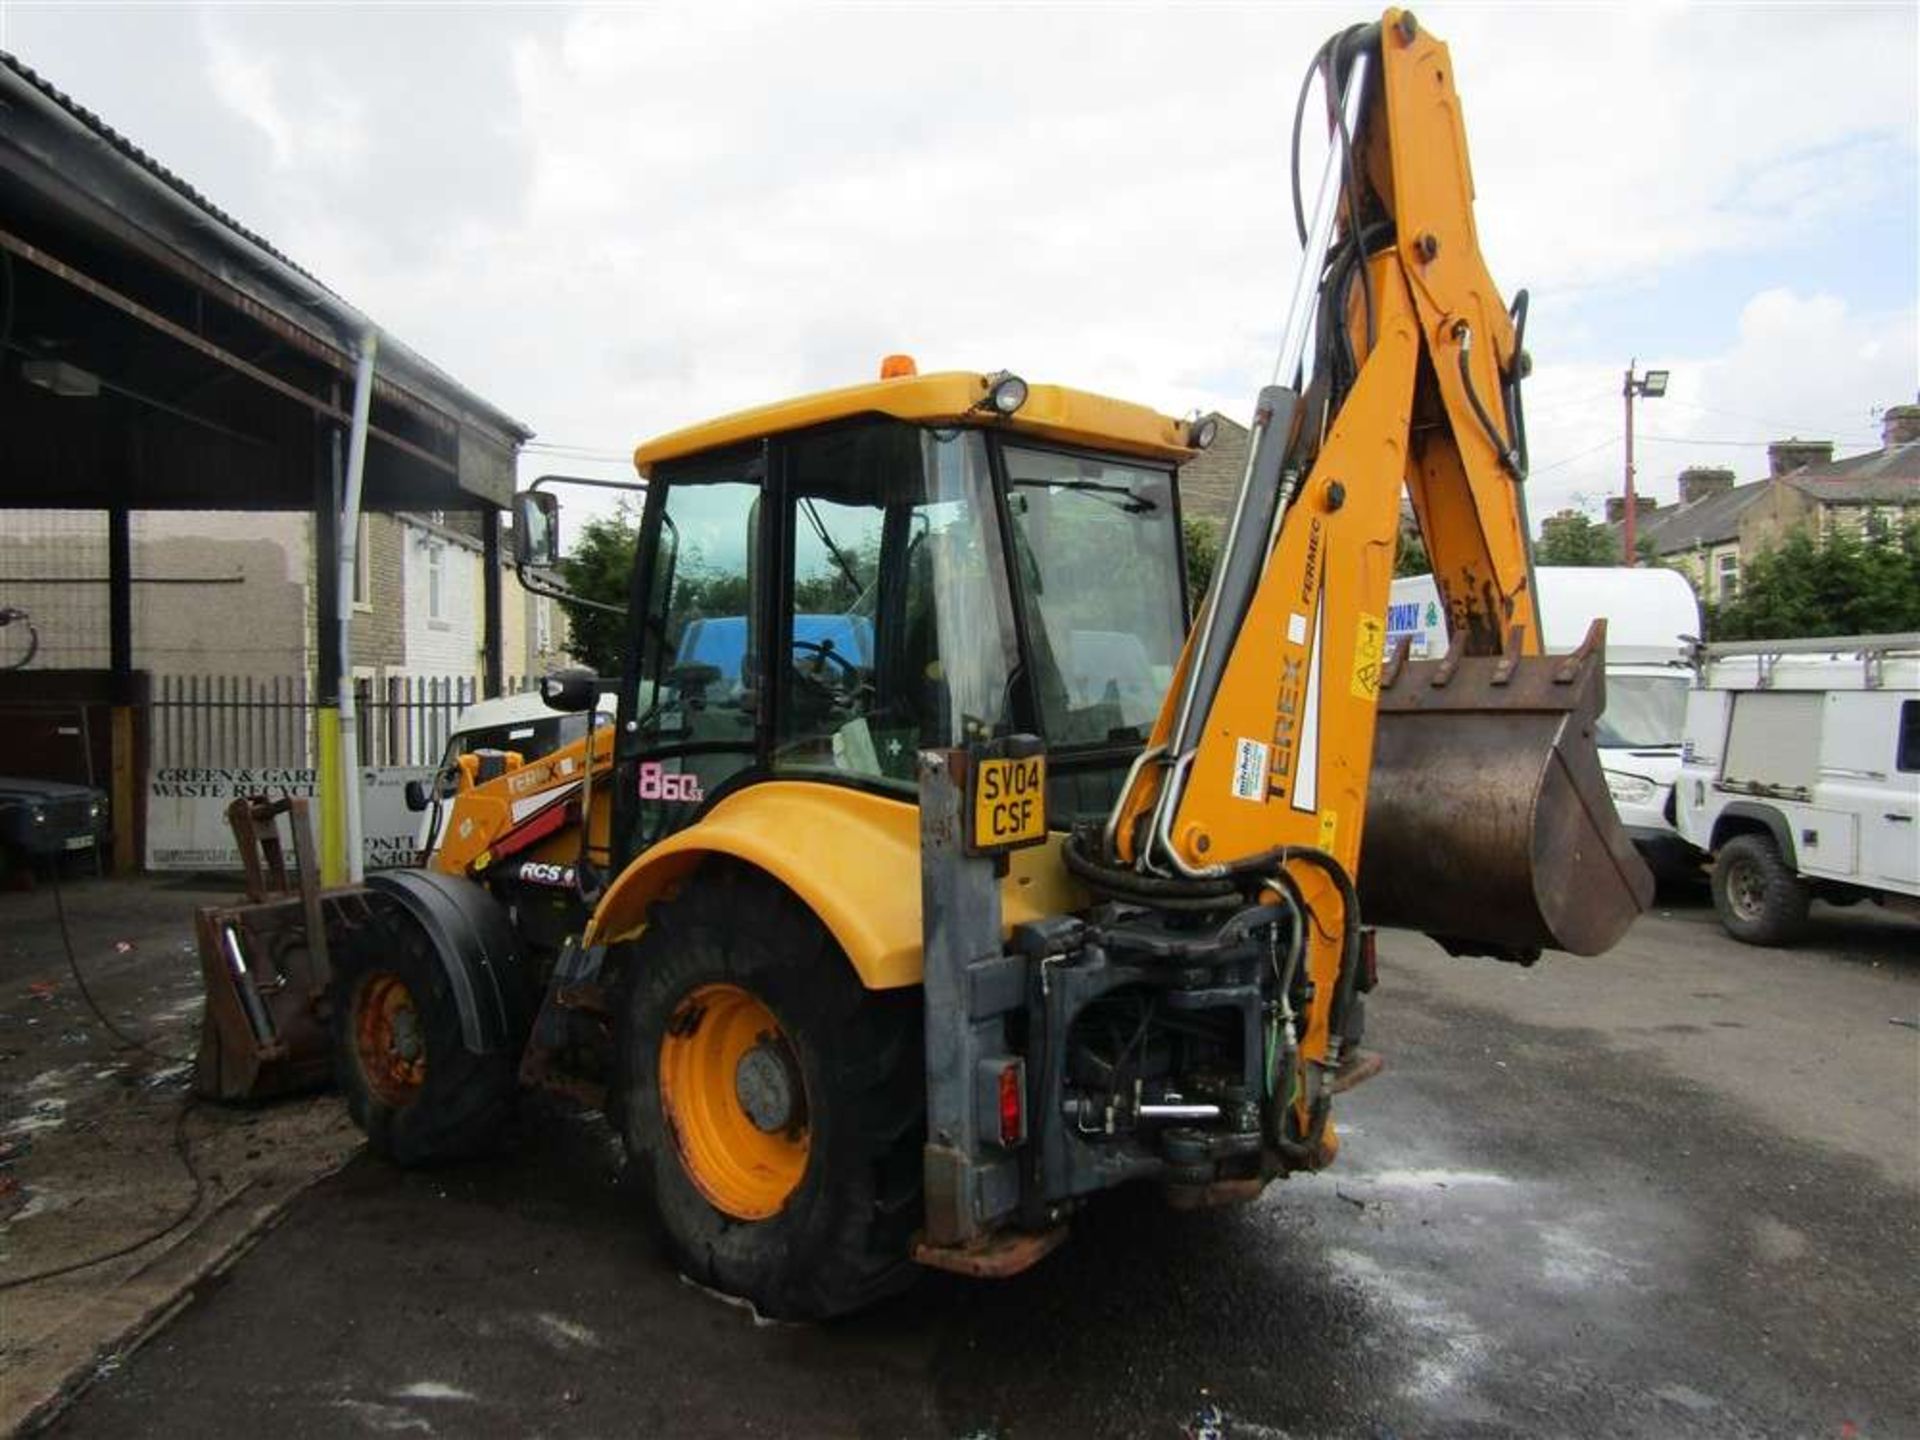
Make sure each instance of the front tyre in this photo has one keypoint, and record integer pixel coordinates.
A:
(411, 1085)
(1759, 898)
(773, 1108)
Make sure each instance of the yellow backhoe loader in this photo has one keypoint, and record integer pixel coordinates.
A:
(936, 873)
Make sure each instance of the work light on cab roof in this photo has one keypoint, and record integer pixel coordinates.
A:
(1006, 393)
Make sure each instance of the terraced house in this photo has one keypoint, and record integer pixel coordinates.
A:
(1717, 526)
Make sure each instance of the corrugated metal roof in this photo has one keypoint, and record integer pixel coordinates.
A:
(247, 257)
(152, 166)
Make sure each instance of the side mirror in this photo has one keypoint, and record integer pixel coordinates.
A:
(536, 529)
(419, 795)
(570, 691)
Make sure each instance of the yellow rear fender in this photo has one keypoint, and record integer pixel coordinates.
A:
(852, 857)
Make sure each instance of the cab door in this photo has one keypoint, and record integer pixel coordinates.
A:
(693, 701)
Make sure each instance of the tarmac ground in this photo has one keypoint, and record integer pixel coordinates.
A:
(1671, 1191)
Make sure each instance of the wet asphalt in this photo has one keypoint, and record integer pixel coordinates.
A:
(1534, 1229)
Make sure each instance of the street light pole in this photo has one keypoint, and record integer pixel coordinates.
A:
(1653, 385)
(1633, 505)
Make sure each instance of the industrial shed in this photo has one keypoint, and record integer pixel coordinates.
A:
(155, 354)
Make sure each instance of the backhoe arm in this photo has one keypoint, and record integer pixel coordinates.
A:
(1262, 772)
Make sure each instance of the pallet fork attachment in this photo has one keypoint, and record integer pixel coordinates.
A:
(264, 962)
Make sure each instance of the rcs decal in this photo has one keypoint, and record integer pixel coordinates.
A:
(673, 787)
(542, 872)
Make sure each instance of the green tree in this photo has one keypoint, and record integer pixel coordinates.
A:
(1570, 538)
(1410, 555)
(1202, 544)
(1844, 584)
(600, 568)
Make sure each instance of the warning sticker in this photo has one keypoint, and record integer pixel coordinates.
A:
(1249, 770)
(1296, 629)
(1329, 829)
(1369, 643)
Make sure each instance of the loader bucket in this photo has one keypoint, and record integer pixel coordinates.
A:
(1489, 825)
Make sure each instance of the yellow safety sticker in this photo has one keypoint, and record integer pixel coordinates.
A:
(1369, 645)
(1329, 829)
(1009, 802)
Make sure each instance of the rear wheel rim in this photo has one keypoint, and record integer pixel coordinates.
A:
(731, 1089)
(388, 1042)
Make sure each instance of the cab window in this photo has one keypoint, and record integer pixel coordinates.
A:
(700, 670)
(1098, 552)
(895, 632)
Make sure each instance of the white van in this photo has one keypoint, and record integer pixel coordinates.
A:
(1802, 777)
(1653, 622)
(520, 723)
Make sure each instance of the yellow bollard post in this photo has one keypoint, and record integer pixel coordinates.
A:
(332, 797)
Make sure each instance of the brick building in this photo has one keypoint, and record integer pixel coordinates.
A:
(226, 593)
(1717, 526)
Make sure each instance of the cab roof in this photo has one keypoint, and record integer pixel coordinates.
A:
(1051, 412)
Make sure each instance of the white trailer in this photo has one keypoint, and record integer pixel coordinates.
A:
(1653, 625)
(1801, 776)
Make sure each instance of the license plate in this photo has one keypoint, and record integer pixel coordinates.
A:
(79, 842)
(1009, 802)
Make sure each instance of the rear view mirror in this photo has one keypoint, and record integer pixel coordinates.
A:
(536, 529)
(419, 796)
(570, 691)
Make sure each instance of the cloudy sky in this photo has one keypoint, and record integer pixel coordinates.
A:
(615, 220)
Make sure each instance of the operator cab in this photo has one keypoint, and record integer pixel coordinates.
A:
(824, 588)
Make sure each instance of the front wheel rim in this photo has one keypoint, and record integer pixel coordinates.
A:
(388, 1041)
(734, 1098)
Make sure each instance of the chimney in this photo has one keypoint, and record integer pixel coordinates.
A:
(1697, 482)
(1899, 425)
(1617, 508)
(1644, 505)
(1786, 456)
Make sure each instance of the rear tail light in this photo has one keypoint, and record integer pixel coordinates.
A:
(1013, 1104)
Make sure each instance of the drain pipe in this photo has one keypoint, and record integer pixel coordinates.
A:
(349, 552)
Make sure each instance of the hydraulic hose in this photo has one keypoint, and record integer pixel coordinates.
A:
(1302, 1151)
(1117, 882)
(1509, 457)
(1213, 894)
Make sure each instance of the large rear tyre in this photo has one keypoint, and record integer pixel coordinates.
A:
(410, 1082)
(772, 1107)
(1759, 898)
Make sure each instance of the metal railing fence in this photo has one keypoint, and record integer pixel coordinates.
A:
(266, 722)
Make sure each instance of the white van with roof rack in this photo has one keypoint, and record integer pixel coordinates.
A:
(1802, 777)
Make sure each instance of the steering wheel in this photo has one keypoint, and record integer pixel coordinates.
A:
(842, 689)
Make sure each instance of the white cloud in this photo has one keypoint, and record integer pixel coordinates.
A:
(316, 130)
(1794, 364)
